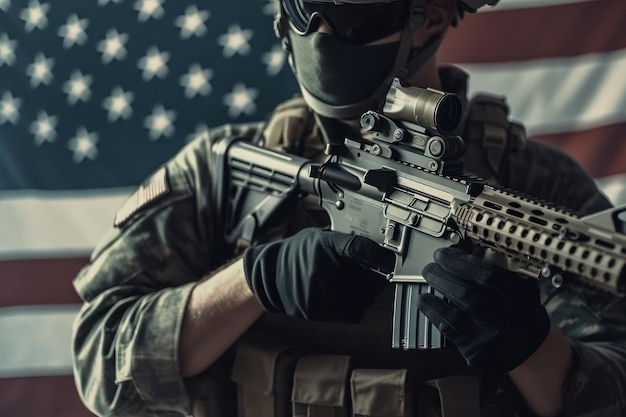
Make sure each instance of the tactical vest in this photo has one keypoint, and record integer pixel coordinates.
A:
(290, 367)
(488, 133)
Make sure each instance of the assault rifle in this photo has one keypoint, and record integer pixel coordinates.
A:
(405, 188)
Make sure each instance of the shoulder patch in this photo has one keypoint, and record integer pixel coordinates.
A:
(151, 190)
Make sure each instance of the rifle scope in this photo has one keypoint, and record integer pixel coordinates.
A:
(433, 109)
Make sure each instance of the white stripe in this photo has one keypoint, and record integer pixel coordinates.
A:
(558, 95)
(36, 341)
(523, 4)
(614, 187)
(54, 223)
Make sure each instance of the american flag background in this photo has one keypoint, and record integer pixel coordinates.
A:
(95, 94)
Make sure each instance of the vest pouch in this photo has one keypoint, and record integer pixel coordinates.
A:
(320, 386)
(451, 396)
(263, 371)
(381, 393)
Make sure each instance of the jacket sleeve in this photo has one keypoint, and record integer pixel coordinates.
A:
(136, 286)
(595, 323)
(597, 381)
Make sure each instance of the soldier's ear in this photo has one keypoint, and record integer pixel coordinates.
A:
(439, 17)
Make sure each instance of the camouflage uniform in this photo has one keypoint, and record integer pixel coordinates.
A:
(135, 288)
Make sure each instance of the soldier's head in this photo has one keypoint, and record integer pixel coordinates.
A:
(345, 53)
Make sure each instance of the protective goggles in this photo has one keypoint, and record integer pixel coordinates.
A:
(354, 21)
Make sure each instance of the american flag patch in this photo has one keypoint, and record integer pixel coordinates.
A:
(151, 190)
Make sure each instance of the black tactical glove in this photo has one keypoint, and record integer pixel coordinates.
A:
(317, 274)
(494, 317)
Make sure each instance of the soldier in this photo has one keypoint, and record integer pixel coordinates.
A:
(177, 322)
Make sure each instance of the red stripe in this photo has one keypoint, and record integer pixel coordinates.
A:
(53, 396)
(535, 33)
(39, 281)
(602, 151)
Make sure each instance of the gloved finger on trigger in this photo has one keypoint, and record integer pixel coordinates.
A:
(370, 254)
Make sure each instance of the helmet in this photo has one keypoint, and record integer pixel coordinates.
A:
(358, 22)
(471, 6)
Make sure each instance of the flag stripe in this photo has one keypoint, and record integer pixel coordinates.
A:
(558, 95)
(36, 340)
(615, 188)
(45, 223)
(601, 150)
(39, 281)
(558, 31)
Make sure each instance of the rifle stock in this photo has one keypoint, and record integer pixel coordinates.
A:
(406, 190)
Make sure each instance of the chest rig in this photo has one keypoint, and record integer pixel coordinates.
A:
(288, 367)
(490, 137)
(488, 133)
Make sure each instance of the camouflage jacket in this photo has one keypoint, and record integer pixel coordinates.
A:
(136, 285)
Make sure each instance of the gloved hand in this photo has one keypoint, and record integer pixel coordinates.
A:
(318, 274)
(494, 317)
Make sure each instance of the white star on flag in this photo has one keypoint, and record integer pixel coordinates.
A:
(274, 60)
(35, 15)
(83, 145)
(192, 22)
(73, 32)
(235, 41)
(44, 128)
(118, 104)
(271, 8)
(160, 122)
(241, 100)
(148, 9)
(5, 4)
(154, 63)
(196, 81)
(9, 108)
(40, 70)
(78, 87)
(7, 50)
(113, 46)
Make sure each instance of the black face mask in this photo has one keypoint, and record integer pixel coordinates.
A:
(340, 73)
